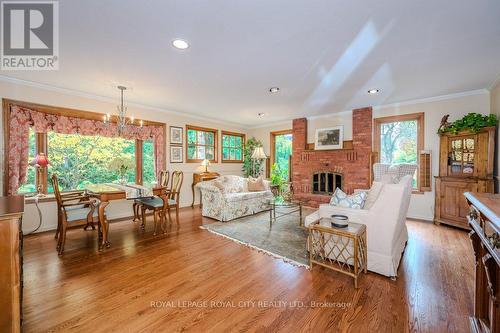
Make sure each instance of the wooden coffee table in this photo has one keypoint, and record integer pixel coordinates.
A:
(340, 249)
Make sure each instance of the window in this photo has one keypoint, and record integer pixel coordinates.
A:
(79, 160)
(201, 144)
(232, 147)
(399, 139)
(30, 185)
(281, 151)
(148, 162)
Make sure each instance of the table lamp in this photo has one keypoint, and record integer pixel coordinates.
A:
(40, 162)
(205, 163)
(258, 154)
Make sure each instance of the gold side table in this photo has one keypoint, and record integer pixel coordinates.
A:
(341, 249)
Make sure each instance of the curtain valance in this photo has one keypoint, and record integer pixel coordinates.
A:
(21, 119)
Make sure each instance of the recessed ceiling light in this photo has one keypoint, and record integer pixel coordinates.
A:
(373, 91)
(180, 44)
(261, 114)
(274, 90)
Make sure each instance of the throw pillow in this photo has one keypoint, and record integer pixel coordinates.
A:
(373, 194)
(341, 199)
(256, 184)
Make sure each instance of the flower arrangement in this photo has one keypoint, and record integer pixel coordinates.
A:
(121, 165)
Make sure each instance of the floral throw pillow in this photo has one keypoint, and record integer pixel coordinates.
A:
(355, 201)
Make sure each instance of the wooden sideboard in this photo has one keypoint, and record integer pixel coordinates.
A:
(201, 177)
(484, 220)
(11, 263)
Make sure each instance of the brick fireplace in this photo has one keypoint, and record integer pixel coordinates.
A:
(351, 165)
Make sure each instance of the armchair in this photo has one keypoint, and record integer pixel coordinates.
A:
(385, 221)
(73, 208)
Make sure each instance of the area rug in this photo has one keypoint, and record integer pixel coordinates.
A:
(286, 240)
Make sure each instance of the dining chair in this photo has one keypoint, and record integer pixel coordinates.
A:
(65, 197)
(173, 195)
(72, 210)
(136, 207)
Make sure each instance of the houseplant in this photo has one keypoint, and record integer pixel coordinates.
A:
(278, 180)
(472, 121)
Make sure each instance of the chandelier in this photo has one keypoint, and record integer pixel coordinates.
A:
(122, 122)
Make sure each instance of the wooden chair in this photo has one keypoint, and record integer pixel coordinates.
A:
(164, 178)
(65, 197)
(173, 195)
(74, 210)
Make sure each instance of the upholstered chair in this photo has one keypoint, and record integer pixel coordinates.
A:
(66, 197)
(72, 211)
(164, 178)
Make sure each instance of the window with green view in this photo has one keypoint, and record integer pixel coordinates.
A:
(79, 160)
(232, 147)
(201, 144)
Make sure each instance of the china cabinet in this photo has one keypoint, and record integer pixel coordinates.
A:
(465, 165)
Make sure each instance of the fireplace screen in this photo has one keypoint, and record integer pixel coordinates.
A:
(326, 182)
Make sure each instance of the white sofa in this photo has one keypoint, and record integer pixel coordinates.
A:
(385, 222)
(234, 200)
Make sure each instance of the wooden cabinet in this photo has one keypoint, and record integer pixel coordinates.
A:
(11, 259)
(484, 220)
(465, 165)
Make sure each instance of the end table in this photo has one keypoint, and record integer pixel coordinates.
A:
(340, 249)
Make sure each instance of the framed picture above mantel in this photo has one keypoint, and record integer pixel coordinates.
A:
(329, 138)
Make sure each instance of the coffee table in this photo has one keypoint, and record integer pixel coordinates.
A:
(278, 207)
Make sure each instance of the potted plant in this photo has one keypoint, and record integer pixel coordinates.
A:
(278, 180)
(472, 122)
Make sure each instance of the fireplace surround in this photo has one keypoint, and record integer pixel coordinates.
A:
(349, 166)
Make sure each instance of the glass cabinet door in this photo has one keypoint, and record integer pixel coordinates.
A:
(461, 156)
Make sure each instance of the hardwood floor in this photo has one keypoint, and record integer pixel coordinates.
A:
(122, 288)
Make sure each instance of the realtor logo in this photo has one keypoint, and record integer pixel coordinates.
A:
(30, 35)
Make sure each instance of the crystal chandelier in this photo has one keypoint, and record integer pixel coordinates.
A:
(121, 121)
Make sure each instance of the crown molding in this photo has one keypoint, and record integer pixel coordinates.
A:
(101, 98)
(494, 83)
(433, 99)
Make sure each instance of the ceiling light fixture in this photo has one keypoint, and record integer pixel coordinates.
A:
(180, 44)
(373, 91)
(260, 114)
(274, 90)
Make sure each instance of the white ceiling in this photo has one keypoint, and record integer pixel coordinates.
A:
(324, 55)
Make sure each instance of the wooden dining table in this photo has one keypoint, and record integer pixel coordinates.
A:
(109, 192)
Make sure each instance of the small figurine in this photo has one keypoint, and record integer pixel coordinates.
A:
(444, 123)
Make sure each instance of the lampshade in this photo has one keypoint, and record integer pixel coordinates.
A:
(40, 160)
(205, 162)
(258, 153)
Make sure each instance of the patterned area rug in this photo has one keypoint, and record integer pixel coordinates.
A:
(285, 240)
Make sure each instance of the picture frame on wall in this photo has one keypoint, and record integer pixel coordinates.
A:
(176, 154)
(329, 138)
(176, 134)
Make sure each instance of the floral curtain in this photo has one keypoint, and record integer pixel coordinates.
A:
(21, 119)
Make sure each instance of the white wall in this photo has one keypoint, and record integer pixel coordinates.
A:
(422, 205)
(62, 98)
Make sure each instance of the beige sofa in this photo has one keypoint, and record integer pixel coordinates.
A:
(233, 200)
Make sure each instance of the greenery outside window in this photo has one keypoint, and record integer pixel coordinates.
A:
(201, 143)
(399, 139)
(232, 147)
(79, 160)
